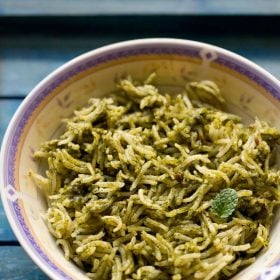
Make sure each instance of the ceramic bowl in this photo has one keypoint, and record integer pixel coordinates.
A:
(248, 89)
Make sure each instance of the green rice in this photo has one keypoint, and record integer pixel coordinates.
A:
(131, 181)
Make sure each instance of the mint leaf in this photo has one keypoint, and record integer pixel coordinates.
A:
(224, 203)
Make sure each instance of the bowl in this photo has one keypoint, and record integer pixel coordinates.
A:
(248, 89)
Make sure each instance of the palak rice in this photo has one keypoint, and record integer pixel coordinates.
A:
(132, 181)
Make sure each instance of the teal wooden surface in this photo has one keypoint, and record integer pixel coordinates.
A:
(7, 109)
(29, 52)
(16, 265)
(121, 7)
(6, 233)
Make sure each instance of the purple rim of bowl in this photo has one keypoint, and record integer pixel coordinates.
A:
(86, 61)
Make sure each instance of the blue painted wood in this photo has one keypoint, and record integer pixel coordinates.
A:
(6, 233)
(7, 109)
(124, 7)
(16, 265)
(40, 57)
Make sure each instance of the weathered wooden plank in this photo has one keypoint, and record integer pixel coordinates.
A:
(117, 7)
(39, 56)
(6, 233)
(17, 265)
(7, 109)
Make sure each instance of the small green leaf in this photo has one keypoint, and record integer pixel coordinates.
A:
(224, 203)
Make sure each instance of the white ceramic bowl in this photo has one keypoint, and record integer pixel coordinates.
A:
(249, 90)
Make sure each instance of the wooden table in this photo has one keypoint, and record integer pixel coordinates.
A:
(38, 36)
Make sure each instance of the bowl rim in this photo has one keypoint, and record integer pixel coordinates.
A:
(66, 67)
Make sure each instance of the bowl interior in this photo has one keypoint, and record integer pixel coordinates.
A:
(245, 89)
